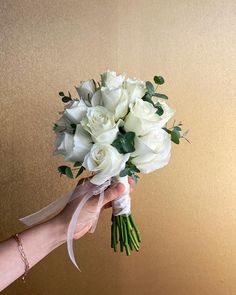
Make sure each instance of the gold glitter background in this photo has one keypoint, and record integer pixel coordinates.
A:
(186, 212)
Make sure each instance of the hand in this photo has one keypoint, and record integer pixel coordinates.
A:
(88, 211)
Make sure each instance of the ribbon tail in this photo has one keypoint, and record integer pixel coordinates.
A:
(72, 227)
(84, 192)
(98, 209)
(73, 222)
(47, 211)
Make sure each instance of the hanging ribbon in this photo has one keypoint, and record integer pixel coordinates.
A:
(84, 192)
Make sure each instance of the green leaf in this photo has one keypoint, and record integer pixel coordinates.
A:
(124, 172)
(62, 169)
(147, 97)
(65, 170)
(81, 170)
(150, 88)
(61, 93)
(124, 143)
(66, 99)
(159, 80)
(177, 128)
(161, 95)
(128, 148)
(69, 172)
(129, 136)
(160, 110)
(132, 167)
(135, 177)
(175, 135)
(131, 170)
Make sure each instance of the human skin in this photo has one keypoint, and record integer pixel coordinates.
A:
(38, 241)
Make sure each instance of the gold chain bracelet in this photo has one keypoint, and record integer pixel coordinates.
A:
(22, 255)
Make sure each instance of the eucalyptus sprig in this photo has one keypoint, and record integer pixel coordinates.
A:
(65, 98)
(176, 132)
(124, 142)
(151, 92)
(67, 171)
(131, 170)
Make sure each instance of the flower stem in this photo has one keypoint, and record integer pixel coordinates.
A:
(135, 228)
(125, 232)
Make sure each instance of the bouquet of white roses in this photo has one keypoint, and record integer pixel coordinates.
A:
(115, 129)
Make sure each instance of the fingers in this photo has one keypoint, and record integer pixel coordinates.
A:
(113, 192)
(131, 183)
(130, 180)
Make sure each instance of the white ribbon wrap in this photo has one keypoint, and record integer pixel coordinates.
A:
(122, 205)
(84, 192)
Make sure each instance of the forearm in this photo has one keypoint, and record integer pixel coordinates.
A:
(38, 242)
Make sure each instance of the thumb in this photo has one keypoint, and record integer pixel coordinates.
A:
(113, 192)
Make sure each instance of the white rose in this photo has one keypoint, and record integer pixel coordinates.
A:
(73, 147)
(111, 80)
(116, 100)
(143, 117)
(105, 161)
(152, 151)
(86, 90)
(136, 89)
(76, 111)
(100, 123)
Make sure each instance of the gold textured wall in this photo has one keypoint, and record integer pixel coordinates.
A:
(186, 211)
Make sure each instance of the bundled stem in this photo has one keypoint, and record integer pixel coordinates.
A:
(124, 228)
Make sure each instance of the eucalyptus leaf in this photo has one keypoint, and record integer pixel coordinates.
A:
(177, 128)
(124, 172)
(150, 88)
(66, 99)
(147, 97)
(175, 135)
(124, 143)
(81, 170)
(131, 170)
(135, 177)
(62, 169)
(68, 172)
(160, 110)
(159, 80)
(161, 95)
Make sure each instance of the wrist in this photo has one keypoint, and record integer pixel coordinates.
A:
(58, 230)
